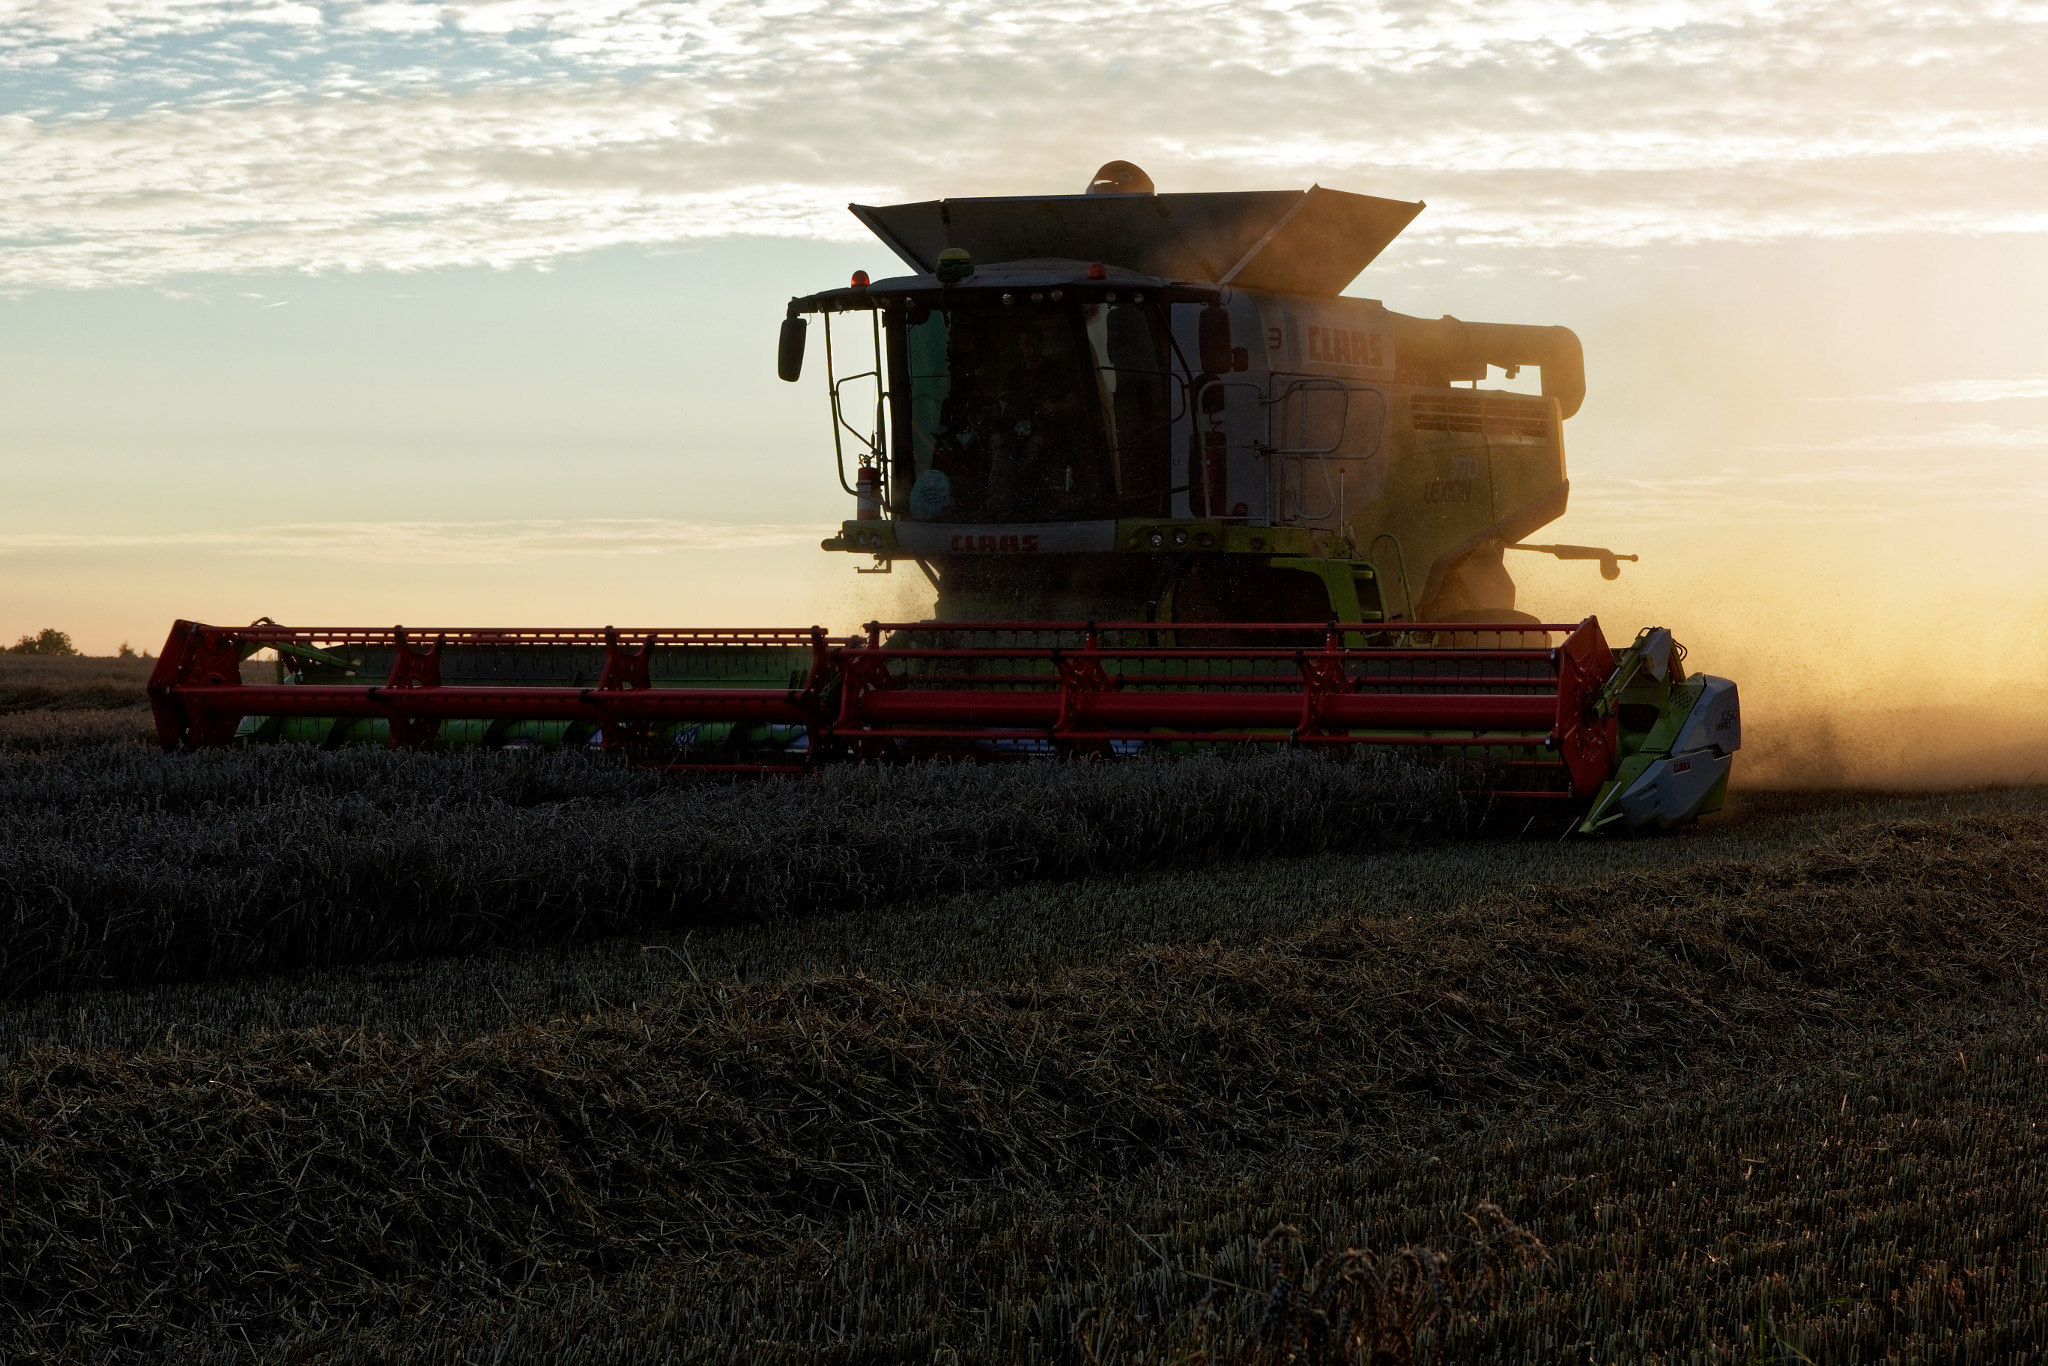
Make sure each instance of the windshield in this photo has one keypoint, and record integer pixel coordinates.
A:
(1031, 414)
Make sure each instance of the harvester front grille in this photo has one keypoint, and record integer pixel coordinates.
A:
(1500, 417)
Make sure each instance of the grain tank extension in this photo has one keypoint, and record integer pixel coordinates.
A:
(1171, 488)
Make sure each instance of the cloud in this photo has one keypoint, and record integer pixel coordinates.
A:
(1960, 391)
(1976, 436)
(506, 542)
(151, 138)
(1867, 492)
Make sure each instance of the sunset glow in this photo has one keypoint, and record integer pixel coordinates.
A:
(463, 311)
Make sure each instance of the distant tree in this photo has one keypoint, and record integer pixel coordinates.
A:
(126, 651)
(48, 641)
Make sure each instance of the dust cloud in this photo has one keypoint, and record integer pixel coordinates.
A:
(903, 594)
(1865, 658)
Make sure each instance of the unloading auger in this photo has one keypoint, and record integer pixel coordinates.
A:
(1172, 490)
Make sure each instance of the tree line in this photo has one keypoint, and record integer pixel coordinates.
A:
(51, 641)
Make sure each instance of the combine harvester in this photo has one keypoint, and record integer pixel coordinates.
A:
(1171, 490)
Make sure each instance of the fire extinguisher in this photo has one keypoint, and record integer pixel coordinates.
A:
(867, 490)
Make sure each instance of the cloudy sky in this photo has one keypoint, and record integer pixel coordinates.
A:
(167, 137)
(397, 310)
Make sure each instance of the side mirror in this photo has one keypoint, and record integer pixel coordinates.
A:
(1215, 340)
(789, 351)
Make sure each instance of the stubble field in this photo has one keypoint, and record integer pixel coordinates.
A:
(521, 1058)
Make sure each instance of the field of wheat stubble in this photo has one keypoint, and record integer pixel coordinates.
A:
(369, 1057)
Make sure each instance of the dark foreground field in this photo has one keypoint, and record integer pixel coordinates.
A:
(998, 1065)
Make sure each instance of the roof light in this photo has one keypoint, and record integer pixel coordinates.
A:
(860, 279)
(1097, 271)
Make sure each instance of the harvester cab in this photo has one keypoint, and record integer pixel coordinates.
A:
(1172, 489)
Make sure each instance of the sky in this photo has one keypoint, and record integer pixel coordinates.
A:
(463, 312)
